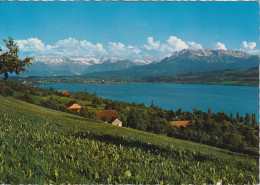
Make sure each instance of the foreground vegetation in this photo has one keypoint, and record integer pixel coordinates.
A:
(239, 77)
(236, 133)
(40, 145)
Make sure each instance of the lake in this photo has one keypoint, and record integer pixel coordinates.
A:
(174, 96)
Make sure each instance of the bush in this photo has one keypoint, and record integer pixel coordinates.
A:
(88, 113)
(172, 132)
(6, 91)
(26, 97)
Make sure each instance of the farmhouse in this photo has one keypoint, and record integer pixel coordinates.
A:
(73, 105)
(180, 123)
(109, 116)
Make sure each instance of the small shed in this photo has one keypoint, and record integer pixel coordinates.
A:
(117, 122)
(73, 105)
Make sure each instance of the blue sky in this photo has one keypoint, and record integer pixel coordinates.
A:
(129, 29)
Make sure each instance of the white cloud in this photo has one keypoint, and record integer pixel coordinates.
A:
(158, 49)
(121, 51)
(194, 45)
(66, 47)
(220, 45)
(249, 47)
(175, 44)
(151, 44)
(85, 48)
(31, 45)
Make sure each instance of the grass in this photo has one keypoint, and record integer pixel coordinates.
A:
(40, 145)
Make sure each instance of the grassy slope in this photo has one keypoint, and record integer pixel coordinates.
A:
(40, 145)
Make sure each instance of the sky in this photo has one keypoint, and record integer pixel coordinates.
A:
(128, 29)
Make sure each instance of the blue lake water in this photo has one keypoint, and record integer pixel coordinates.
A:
(174, 96)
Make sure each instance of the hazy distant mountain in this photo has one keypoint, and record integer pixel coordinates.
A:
(67, 66)
(189, 60)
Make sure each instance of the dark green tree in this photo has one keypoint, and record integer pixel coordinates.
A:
(241, 119)
(253, 120)
(231, 116)
(10, 62)
(247, 118)
(170, 115)
(96, 102)
(209, 112)
(137, 120)
(104, 118)
(237, 116)
(178, 112)
(152, 104)
(209, 116)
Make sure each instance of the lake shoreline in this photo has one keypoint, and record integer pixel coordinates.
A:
(219, 98)
(236, 85)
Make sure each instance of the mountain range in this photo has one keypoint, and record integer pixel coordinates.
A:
(187, 60)
(70, 66)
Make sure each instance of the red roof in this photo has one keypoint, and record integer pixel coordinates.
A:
(110, 114)
(65, 93)
(71, 103)
(180, 123)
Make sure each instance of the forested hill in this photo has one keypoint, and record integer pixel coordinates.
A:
(241, 77)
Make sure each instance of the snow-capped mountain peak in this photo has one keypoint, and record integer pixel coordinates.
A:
(80, 65)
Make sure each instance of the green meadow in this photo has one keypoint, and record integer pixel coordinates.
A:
(40, 145)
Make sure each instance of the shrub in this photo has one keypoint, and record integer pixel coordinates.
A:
(26, 97)
(6, 91)
(88, 113)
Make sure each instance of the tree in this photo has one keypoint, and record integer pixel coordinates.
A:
(152, 104)
(137, 119)
(178, 112)
(241, 119)
(253, 120)
(209, 112)
(238, 117)
(170, 115)
(96, 102)
(231, 116)
(104, 118)
(247, 118)
(209, 115)
(10, 62)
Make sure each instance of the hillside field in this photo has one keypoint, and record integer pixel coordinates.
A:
(40, 146)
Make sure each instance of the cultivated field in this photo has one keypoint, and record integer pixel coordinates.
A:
(40, 145)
